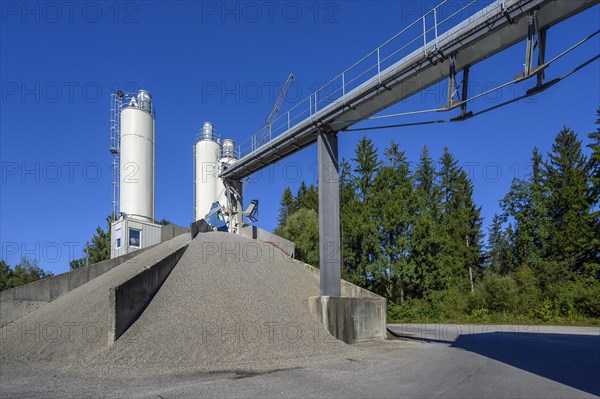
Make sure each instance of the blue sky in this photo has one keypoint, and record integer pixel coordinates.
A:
(225, 63)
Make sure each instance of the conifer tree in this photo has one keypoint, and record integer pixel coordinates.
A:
(567, 175)
(99, 248)
(287, 206)
(498, 249)
(526, 203)
(393, 206)
(427, 235)
(366, 166)
(462, 222)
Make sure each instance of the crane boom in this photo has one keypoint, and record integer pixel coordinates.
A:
(266, 130)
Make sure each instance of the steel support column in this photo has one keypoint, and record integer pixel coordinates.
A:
(530, 43)
(543, 34)
(452, 81)
(329, 214)
(465, 92)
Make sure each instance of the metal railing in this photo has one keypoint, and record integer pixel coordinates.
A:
(425, 35)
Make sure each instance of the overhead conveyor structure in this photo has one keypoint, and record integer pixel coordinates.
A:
(405, 65)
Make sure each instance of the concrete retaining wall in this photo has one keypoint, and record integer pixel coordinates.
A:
(351, 320)
(257, 233)
(357, 316)
(19, 301)
(171, 231)
(128, 300)
(199, 226)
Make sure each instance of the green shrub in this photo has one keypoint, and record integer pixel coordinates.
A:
(500, 294)
(562, 296)
(587, 300)
(544, 310)
(481, 315)
(476, 301)
(404, 312)
(529, 290)
(449, 304)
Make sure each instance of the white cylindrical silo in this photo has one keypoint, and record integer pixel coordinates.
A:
(207, 154)
(137, 157)
(227, 158)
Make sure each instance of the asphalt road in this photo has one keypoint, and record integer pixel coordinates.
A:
(446, 361)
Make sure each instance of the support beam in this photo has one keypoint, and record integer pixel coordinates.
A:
(451, 81)
(530, 44)
(465, 92)
(533, 32)
(541, 56)
(329, 214)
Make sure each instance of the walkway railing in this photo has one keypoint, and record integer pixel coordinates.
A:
(420, 37)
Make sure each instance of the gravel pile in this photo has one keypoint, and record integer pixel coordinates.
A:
(231, 303)
(74, 328)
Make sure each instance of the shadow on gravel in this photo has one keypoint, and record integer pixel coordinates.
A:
(569, 359)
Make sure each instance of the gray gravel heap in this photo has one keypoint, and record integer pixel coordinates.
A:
(231, 303)
(74, 328)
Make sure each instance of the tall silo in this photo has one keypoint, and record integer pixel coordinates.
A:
(207, 152)
(137, 132)
(227, 158)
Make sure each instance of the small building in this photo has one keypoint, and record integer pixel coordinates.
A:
(129, 234)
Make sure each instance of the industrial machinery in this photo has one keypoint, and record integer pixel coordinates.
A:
(217, 200)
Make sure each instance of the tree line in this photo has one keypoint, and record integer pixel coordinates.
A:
(417, 237)
(24, 272)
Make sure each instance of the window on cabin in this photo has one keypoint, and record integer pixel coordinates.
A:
(134, 238)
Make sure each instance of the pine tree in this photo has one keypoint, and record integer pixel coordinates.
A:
(567, 177)
(99, 248)
(594, 163)
(462, 222)
(359, 227)
(527, 203)
(366, 166)
(4, 275)
(301, 190)
(470, 224)
(287, 206)
(308, 197)
(393, 207)
(347, 204)
(594, 167)
(448, 175)
(26, 271)
(497, 254)
(427, 235)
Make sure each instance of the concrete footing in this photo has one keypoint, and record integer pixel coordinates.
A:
(351, 319)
